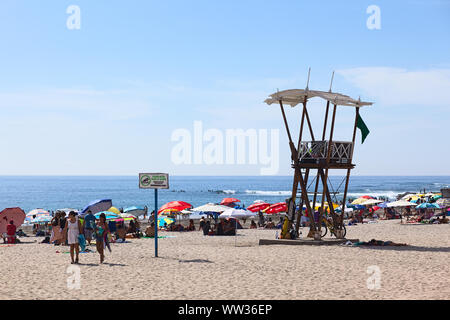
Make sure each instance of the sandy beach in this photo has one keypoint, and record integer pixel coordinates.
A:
(192, 266)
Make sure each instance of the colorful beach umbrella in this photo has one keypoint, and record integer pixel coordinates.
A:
(36, 212)
(163, 220)
(227, 201)
(109, 215)
(276, 208)
(42, 219)
(17, 215)
(127, 216)
(258, 207)
(178, 205)
(114, 210)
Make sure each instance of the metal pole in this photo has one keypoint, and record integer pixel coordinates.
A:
(156, 223)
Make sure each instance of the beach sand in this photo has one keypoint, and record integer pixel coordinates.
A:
(192, 266)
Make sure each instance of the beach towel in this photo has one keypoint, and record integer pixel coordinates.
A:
(82, 242)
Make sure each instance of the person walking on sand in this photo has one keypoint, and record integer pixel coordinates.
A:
(72, 230)
(101, 232)
(89, 224)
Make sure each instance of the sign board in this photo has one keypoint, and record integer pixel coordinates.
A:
(153, 180)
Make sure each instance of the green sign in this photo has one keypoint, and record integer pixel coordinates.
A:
(153, 180)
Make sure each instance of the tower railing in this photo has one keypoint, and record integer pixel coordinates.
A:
(317, 151)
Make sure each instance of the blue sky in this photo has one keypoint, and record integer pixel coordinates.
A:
(105, 99)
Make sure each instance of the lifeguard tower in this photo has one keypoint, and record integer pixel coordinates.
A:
(319, 155)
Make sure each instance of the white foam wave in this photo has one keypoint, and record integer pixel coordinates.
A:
(388, 194)
(268, 193)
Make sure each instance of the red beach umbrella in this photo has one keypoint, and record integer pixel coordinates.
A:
(276, 208)
(15, 214)
(367, 197)
(176, 205)
(258, 207)
(226, 201)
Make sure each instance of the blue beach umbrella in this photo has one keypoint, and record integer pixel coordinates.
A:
(109, 215)
(427, 205)
(382, 205)
(163, 220)
(97, 206)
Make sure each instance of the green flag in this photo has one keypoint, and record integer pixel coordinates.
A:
(362, 126)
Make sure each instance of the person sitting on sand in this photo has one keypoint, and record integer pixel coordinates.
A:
(131, 227)
(253, 224)
(269, 224)
(121, 232)
(150, 231)
(191, 226)
(11, 232)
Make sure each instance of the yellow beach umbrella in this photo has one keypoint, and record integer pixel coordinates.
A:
(359, 201)
(114, 210)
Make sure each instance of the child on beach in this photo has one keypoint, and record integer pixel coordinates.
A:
(72, 230)
(101, 232)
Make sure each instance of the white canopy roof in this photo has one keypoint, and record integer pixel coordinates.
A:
(237, 214)
(295, 96)
(211, 207)
(401, 203)
(370, 202)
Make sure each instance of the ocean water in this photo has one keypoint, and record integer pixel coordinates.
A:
(53, 193)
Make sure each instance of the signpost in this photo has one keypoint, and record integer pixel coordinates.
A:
(154, 181)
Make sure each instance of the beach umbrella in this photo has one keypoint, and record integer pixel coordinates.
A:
(259, 201)
(366, 197)
(382, 205)
(178, 205)
(370, 202)
(127, 216)
(15, 214)
(211, 207)
(170, 211)
(135, 211)
(36, 212)
(109, 215)
(400, 203)
(97, 206)
(228, 201)
(359, 201)
(42, 219)
(236, 214)
(428, 206)
(276, 208)
(163, 220)
(114, 210)
(258, 207)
